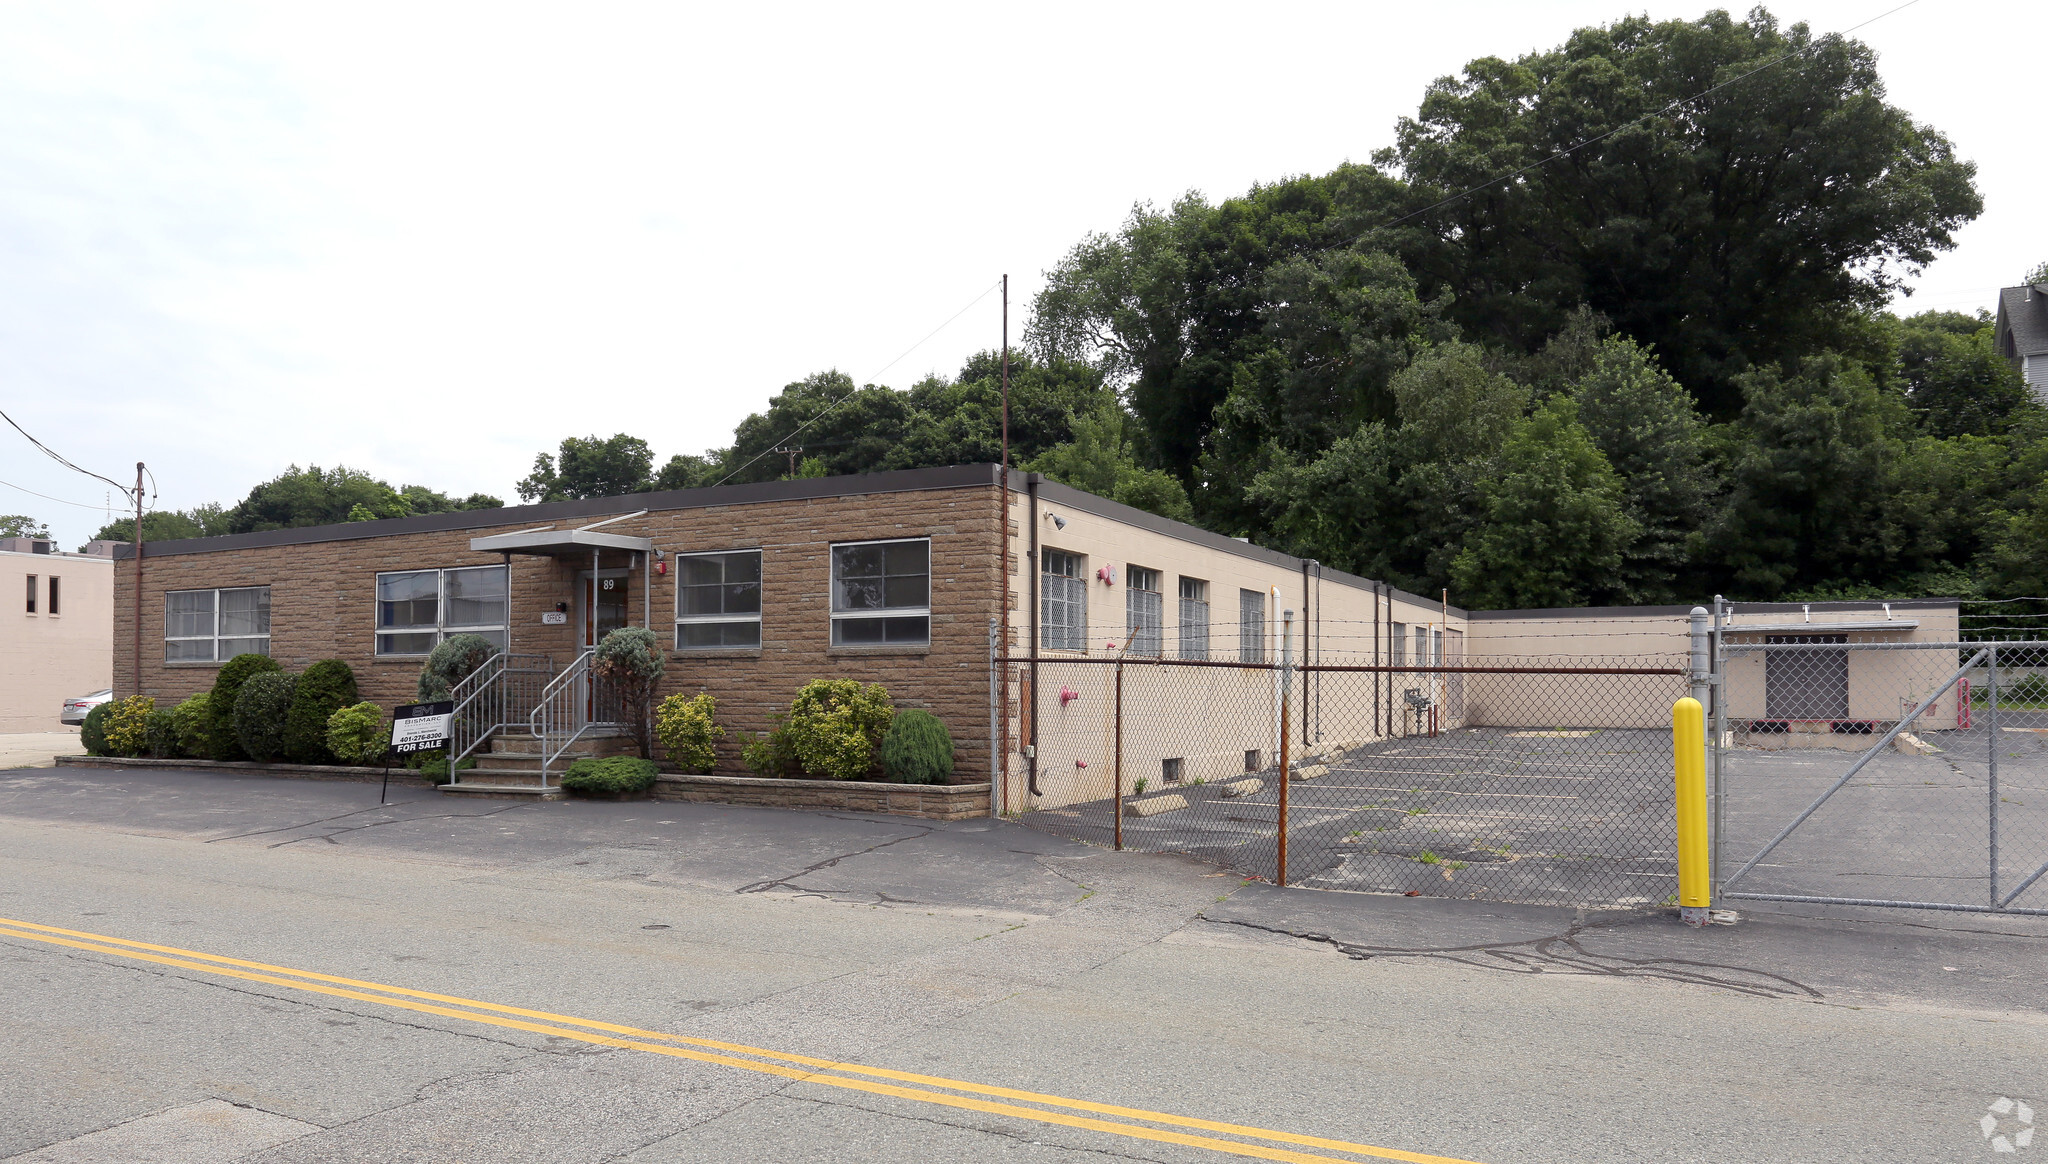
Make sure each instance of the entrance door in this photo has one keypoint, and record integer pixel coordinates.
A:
(609, 590)
(1806, 684)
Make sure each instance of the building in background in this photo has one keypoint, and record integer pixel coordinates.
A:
(58, 640)
(2021, 333)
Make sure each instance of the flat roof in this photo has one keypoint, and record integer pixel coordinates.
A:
(1731, 609)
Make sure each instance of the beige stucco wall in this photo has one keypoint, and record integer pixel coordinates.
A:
(46, 658)
(1883, 685)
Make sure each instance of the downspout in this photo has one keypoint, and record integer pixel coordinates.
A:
(1031, 481)
(1378, 677)
(1307, 612)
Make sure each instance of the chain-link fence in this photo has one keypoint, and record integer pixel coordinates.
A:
(1514, 779)
(1882, 773)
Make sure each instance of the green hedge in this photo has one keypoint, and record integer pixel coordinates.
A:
(835, 726)
(160, 735)
(221, 743)
(357, 734)
(623, 774)
(259, 714)
(326, 687)
(193, 722)
(917, 749)
(127, 725)
(92, 734)
(450, 663)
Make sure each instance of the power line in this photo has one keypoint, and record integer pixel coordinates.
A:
(828, 410)
(60, 459)
(47, 497)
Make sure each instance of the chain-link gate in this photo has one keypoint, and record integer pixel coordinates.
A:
(1512, 779)
(1888, 774)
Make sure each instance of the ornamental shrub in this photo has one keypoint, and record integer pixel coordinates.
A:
(686, 731)
(625, 774)
(260, 707)
(127, 725)
(917, 749)
(835, 725)
(160, 735)
(768, 754)
(191, 720)
(358, 735)
(92, 734)
(433, 766)
(450, 663)
(632, 661)
(326, 687)
(221, 741)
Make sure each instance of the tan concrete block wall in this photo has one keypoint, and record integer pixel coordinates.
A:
(323, 605)
(44, 658)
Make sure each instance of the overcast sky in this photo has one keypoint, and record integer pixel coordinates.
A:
(430, 240)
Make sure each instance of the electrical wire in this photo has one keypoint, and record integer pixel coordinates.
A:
(54, 455)
(47, 497)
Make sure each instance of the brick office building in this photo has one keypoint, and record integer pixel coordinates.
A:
(887, 577)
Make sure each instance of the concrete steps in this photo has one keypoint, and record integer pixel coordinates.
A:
(511, 769)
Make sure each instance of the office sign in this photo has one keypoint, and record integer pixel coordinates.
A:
(421, 727)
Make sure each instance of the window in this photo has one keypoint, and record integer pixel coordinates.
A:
(718, 600)
(882, 593)
(213, 626)
(31, 593)
(1422, 658)
(53, 593)
(1397, 643)
(419, 608)
(1251, 626)
(1194, 618)
(1144, 609)
(1063, 602)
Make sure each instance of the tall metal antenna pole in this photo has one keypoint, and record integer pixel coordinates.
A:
(138, 579)
(1006, 376)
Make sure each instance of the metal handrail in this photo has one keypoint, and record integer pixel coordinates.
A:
(573, 702)
(492, 700)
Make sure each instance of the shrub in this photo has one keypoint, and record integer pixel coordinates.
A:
(434, 765)
(451, 663)
(768, 753)
(127, 725)
(687, 733)
(326, 687)
(357, 735)
(92, 734)
(221, 742)
(917, 748)
(259, 714)
(835, 725)
(160, 735)
(610, 774)
(632, 661)
(191, 720)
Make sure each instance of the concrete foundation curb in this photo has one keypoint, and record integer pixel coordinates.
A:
(282, 771)
(927, 801)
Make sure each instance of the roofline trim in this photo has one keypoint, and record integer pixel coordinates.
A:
(1733, 607)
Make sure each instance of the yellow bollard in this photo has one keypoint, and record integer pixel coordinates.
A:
(1689, 764)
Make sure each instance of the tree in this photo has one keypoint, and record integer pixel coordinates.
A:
(2038, 275)
(592, 466)
(1098, 459)
(1643, 423)
(21, 525)
(201, 521)
(1555, 528)
(1726, 232)
(1953, 376)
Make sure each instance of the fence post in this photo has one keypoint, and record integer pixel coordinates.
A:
(1286, 686)
(1118, 764)
(1991, 746)
(1689, 771)
(998, 753)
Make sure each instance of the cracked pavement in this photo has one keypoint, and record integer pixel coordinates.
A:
(974, 950)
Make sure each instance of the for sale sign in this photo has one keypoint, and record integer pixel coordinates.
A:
(421, 727)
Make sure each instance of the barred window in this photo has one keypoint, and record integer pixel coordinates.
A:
(1063, 601)
(209, 626)
(718, 600)
(1144, 609)
(1194, 618)
(1397, 641)
(882, 593)
(1251, 626)
(417, 609)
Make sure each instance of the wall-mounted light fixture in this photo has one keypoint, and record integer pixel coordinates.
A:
(1058, 522)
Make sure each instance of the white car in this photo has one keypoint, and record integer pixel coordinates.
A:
(75, 709)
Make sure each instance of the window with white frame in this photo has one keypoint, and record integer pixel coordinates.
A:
(416, 609)
(1397, 639)
(1251, 626)
(1422, 658)
(1194, 618)
(1063, 601)
(213, 626)
(718, 600)
(882, 593)
(1144, 609)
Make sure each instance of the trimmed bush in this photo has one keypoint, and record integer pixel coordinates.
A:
(325, 688)
(835, 726)
(450, 663)
(160, 735)
(768, 754)
(684, 726)
(434, 765)
(611, 774)
(191, 721)
(92, 734)
(259, 714)
(358, 735)
(221, 742)
(127, 725)
(632, 661)
(917, 748)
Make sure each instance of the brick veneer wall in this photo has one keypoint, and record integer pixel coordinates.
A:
(323, 605)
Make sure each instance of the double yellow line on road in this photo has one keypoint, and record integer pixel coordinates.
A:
(1053, 1109)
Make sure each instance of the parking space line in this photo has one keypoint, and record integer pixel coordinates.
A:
(825, 1072)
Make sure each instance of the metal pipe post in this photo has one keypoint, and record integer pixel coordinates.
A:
(1117, 765)
(1286, 677)
(1991, 745)
(995, 744)
(1689, 779)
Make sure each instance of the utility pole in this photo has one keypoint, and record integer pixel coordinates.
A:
(790, 451)
(1000, 769)
(138, 579)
